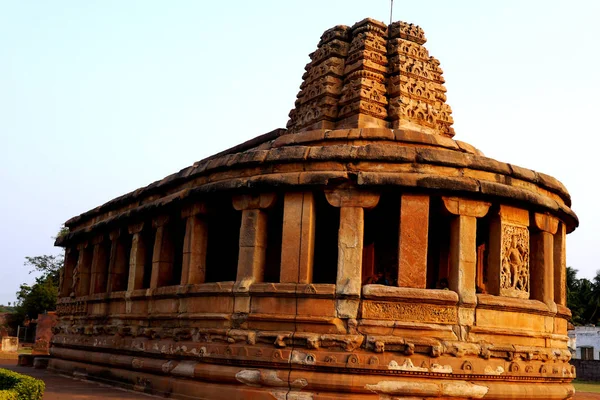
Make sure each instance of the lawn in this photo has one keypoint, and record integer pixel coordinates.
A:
(587, 386)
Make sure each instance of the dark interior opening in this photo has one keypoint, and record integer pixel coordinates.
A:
(483, 247)
(438, 254)
(102, 272)
(327, 225)
(121, 266)
(380, 243)
(274, 238)
(222, 249)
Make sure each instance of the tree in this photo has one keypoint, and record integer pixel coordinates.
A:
(42, 295)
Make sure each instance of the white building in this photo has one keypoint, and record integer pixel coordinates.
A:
(584, 342)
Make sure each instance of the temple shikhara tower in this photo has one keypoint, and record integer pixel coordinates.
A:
(361, 253)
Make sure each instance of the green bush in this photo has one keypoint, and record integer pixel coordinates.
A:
(14, 386)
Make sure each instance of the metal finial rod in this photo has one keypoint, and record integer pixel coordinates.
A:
(391, 11)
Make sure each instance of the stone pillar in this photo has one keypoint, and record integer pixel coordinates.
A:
(253, 245)
(66, 274)
(194, 245)
(509, 254)
(137, 257)
(413, 241)
(350, 246)
(560, 265)
(463, 252)
(542, 259)
(99, 265)
(81, 273)
(298, 239)
(118, 263)
(162, 257)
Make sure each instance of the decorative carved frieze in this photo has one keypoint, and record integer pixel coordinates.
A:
(409, 312)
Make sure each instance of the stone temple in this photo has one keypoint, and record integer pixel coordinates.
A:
(361, 253)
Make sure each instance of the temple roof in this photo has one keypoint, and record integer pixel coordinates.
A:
(373, 75)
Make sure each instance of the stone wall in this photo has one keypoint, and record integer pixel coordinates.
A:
(587, 370)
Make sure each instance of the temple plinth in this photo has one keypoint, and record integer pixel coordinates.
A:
(362, 253)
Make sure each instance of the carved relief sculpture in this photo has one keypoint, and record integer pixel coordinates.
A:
(514, 278)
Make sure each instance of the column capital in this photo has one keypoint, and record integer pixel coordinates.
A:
(82, 246)
(513, 215)
(96, 240)
(114, 234)
(351, 197)
(254, 201)
(466, 207)
(135, 228)
(545, 222)
(160, 220)
(193, 210)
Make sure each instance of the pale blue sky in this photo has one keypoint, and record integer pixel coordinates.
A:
(98, 98)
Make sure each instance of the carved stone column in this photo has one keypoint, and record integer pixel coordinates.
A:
(137, 257)
(66, 274)
(81, 272)
(162, 257)
(298, 239)
(253, 245)
(509, 254)
(194, 245)
(542, 259)
(413, 241)
(99, 265)
(463, 252)
(560, 265)
(118, 263)
(350, 246)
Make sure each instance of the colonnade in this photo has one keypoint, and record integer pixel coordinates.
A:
(524, 257)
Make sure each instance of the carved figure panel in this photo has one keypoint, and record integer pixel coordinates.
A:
(514, 274)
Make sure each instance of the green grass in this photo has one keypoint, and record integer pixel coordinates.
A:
(586, 386)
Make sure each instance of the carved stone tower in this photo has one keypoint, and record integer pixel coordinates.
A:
(362, 253)
(367, 77)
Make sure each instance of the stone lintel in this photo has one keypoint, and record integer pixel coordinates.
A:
(254, 201)
(466, 207)
(352, 198)
(545, 222)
